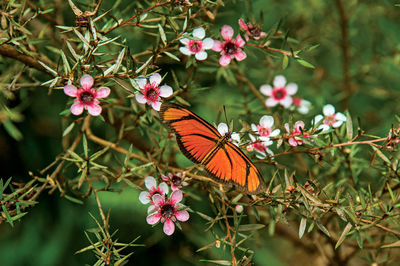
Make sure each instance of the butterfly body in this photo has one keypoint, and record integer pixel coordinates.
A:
(203, 144)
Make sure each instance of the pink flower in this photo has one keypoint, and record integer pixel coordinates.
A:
(151, 92)
(86, 96)
(146, 197)
(197, 46)
(330, 118)
(233, 136)
(302, 106)
(280, 93)
(251, 31)
(294, 136)
(229, 48)
(176, 180)
(265, 128)
(168, 211)
(260, 145)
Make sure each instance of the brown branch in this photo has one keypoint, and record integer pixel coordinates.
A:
(9, 51)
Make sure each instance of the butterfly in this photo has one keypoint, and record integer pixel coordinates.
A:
(203, 144)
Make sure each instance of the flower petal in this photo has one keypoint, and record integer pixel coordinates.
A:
(201, 55)
(176, 196)
(291, 88)
(87, 81)
(102, 92)
(340, 116)
(286, 102)
(141, 82)
(153, 218)
(163, 188)
(235, 137)
(254, 128)
(184, 41)
(299, 125)
(140, 98)
(155, 78)
(77, 109)
(165, 91)
(217, 46)
(227, 32)
(169, 227)
(303, 109)
(318, 118)
(292, 142)
(275, 133)
(150, 182)
(286, 126)
(239, 41)
(324, 127)
(185, 51)
(165, 178)
(94, 109)
(240, 55)
(224, 60)
(151, 209)
(208, 43)
(182, 215)
(337, 123)
(144, 197)
(267, 121)
(266, 90)
(71, 90)
(156, 105)
(328, 109)
(243, 25)
(158, 200)
(199, 32)
(271, 102)
(222, 128)
(279, 81)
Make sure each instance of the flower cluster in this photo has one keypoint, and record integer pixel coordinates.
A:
(163, 207)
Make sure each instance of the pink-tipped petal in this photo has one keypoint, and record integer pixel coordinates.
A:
(176, 196)
(140, 98)
(266, 90)
(150, 182)
(102, 92)
(156, 105)
(208, 43)
(224, 60)
(199, 33)
(77, 109)
(182, 215)
(94, 109)
(243, 25)
(240, 55)
(239, 41)
(153, 218)
(144, 197)
(217, 46)
(71, 90)
(279, 81)
(299, 125)
(155, 78)
(227, 32)
(165, 178)
(201, 55)
(87, 81)
(169, 227)
(158, 200)
(165, 91)
(286, 126)
(292, 142)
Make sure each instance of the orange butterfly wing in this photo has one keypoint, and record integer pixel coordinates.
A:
(201, 143)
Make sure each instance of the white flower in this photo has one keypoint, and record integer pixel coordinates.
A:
(330, 118)
(198, 45)
(265, 128)
(260, 145)
(151, 92)
(280, 93)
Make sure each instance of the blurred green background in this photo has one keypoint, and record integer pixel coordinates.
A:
(53, 230)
